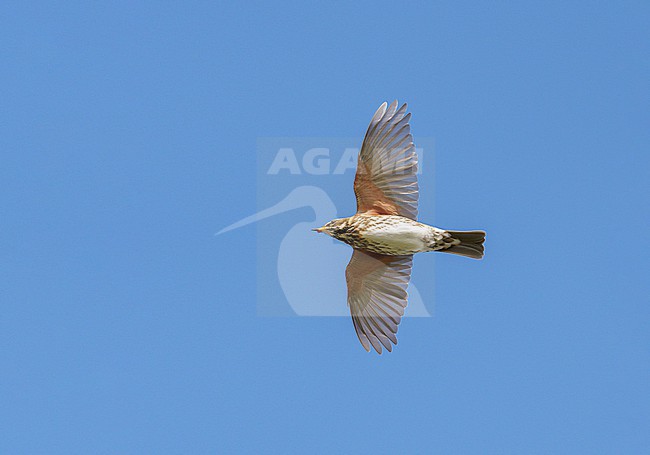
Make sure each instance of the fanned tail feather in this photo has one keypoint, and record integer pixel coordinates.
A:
(471, 244)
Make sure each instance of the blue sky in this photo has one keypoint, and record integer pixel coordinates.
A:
(128, 137)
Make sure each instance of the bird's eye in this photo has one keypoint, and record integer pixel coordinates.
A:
(343, 230)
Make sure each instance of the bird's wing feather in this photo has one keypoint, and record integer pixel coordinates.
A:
(386, 181)
(377, 296)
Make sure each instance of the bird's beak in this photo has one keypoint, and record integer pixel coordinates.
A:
(320, 229)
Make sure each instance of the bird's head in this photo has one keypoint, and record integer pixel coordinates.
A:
(336, 228)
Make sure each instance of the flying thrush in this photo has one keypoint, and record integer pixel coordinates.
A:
(385, 233)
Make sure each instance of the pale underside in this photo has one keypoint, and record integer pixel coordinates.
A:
(392, 235)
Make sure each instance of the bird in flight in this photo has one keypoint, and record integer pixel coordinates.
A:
(385, 233)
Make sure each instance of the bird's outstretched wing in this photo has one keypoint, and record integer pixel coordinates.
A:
(386, 181)
(377, 296)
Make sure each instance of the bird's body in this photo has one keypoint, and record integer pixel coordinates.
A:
(392, 235)
(385, 232)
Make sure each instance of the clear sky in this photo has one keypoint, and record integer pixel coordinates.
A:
(129, 136)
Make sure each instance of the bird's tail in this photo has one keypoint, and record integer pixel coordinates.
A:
(471, 244)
